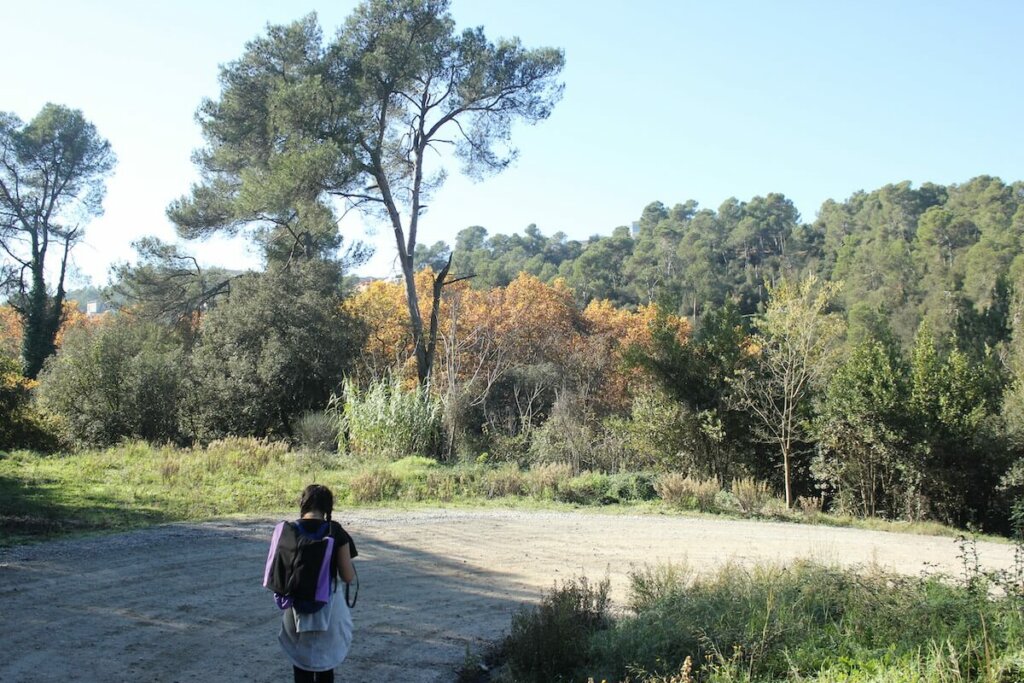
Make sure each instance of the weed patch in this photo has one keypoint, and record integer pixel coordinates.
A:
(768, 624)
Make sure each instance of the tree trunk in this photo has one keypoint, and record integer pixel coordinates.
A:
(435, 308)
(416, 322)
(785, 472)
(41, 319)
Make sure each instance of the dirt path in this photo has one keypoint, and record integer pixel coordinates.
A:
(183, 602)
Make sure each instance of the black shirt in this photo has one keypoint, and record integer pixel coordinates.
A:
(341, 537)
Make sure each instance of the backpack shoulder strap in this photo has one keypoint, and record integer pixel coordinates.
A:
(274, 540)
(323, 583)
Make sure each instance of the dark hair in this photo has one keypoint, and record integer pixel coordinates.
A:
(316, 497)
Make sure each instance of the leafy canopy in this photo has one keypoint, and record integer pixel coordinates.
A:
(52, 175)
(303, 124)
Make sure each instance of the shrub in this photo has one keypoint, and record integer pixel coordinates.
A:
(650, 585)
(315, 462)
(610, 450)
(656, 432)
(217, 464)
(687, 492)
(509, 448)
(122, 379)
(412, 473)
(550, 641)
(442, 485)
(809, 505)
(751, 495)
(245, 454)
(775, 507)
(566, 436)
(588, 488)
(544, 480)
(632, 486)
(390, 421)
(374, 485)
(588, 444)
(504, 480)
(278, 346)
(23, 425)
(317, 430)
(413, 466)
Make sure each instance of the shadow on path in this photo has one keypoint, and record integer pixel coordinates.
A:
(184, 603)
(34, 512)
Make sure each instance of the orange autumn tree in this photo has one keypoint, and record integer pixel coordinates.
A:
(514, 338)
(505, 353)
(11, 333)
(75, 319)
(380, 305)
(610, 332)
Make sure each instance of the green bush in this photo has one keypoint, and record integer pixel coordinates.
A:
(412, 472)
(316, 430)
(776, 507)
(586, 443)
(244, 454)
(549, 642)
(588, 488)
(277, 347)
(652, 584)
(657, 431)
(374, 485)
(513, 448)
(22, 424)
(763, 623)
(413, 466)
(387, 420)
(628, 486)
(446, 483)
(119, 380)
(442, 485)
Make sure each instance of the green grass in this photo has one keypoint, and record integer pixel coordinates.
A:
(137, 484)
(766, 624)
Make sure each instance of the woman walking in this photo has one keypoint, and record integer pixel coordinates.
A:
(316, 643)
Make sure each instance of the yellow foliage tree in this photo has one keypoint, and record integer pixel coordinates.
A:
(610, 331)
(382, 308)
(485, 334)
(11, 326)
(10, 332)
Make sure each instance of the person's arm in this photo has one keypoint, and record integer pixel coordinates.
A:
(345, 568)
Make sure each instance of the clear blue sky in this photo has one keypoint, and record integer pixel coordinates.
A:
(664, 100)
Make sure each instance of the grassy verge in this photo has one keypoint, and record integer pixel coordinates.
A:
(136, 484)
(804, 622)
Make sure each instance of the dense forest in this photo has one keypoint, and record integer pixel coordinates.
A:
(867, 359)
(947, 254)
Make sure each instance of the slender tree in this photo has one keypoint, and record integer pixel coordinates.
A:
(52, 173)
(798, 339)
(300, 123)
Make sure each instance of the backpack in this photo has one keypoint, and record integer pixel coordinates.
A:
(299, 568)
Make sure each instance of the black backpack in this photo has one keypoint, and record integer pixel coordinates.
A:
(300, 568)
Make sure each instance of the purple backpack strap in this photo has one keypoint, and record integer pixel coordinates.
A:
(273, 551)
(323, 582)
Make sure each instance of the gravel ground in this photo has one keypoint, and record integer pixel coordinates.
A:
(183, 602)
